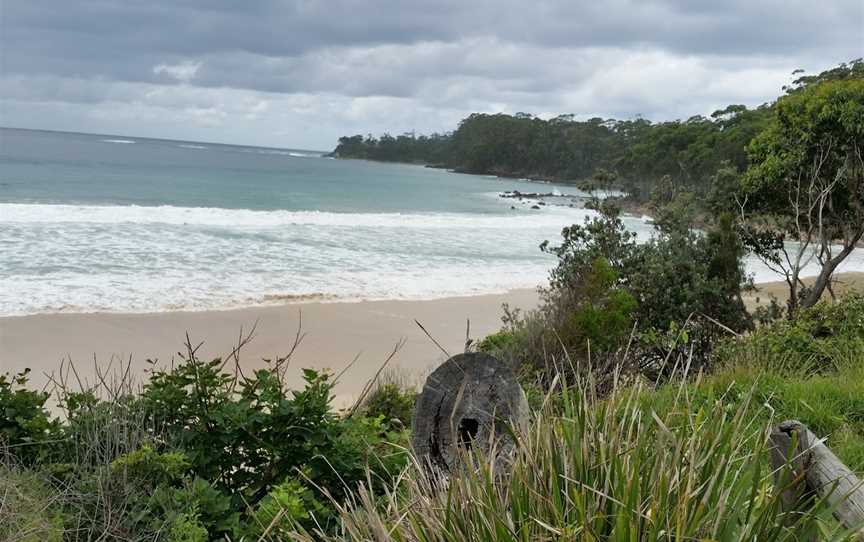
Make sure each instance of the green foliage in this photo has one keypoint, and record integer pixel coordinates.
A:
(823, 124)
(825, 337)
(679, 292)
(499, 341)
(391, 402)
(616, 469)
(630, 154)
(24, 421)
(603, 314)
(242, 434)
(29, 511)
(403, 148)
(806, 180)
(151, 467)
(199, 453)
(830, 404)
(289, 504)
(187, 528)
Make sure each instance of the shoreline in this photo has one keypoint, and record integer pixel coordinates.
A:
(334, 333)
(272, 302)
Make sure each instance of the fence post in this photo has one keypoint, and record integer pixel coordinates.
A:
(816, 470)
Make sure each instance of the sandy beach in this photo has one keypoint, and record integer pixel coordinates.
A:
(334, 334)
(780, 290)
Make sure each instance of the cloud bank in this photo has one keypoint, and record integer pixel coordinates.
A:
(301, 73)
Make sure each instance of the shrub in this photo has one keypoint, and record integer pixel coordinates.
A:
(197, 449)
(672, 296)
(825, 337)
(392, 399)
(25, 423)
(29, 509)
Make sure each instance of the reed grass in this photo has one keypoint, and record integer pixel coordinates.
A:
(601, 470)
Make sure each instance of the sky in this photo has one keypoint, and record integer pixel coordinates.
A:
(301, 73)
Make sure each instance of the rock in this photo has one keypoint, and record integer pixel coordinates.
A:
(535, 206)
(466, 403)
(512, 206)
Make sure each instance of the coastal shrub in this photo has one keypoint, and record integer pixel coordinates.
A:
(607, 469)
(586, 323)
(197, 449)
(662, 301)
(30, 510)
(392, 403)
(825, 337)
(25, 423)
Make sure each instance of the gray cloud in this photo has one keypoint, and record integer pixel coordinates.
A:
(344, 64)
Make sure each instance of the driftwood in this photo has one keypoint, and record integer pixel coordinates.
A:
(468, 402)
(815, 471)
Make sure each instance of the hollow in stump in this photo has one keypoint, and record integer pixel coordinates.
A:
(471, 401)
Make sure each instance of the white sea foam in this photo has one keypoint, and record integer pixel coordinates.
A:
(25, 213)
(85, 258)
(120, 141)
(185, 146)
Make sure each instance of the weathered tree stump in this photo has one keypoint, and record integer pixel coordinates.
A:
(815, 471)
(468, 402)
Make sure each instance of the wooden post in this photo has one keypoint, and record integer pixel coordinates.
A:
(815, 469)
(468, 402)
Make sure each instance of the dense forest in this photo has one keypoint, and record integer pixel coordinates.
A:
(633, 155)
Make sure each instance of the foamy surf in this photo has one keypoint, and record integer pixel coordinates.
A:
(90, 258)
(27, 213)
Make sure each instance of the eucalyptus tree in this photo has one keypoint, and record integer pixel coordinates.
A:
(806, 182)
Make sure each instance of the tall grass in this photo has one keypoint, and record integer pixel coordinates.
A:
(601, 470)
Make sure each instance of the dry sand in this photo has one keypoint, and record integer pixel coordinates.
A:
(334, 334)
(780, 290)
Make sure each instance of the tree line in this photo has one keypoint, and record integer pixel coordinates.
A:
(787, 177)
(629, 154)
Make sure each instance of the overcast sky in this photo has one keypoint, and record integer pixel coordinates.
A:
(301, 73)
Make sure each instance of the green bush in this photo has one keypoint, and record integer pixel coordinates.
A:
(197, 452)
(825, 337)
(30, 510)
(671, 297)
(25, 424)
(393, 401)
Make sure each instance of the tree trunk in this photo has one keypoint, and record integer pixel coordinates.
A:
(825, 274)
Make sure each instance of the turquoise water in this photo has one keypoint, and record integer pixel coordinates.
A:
(116, 223)
(125, 224)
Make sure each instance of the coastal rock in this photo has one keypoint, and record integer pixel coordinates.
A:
(515, 194)
(535, 206)
(468, 402)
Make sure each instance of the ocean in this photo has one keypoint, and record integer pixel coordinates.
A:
(92, 223)
(125, 224)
